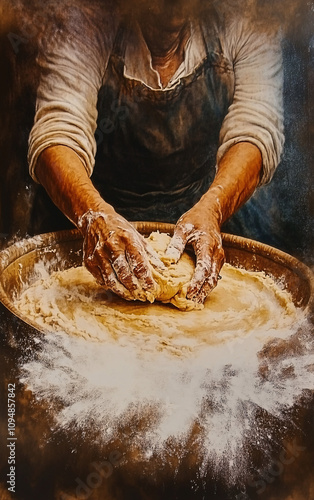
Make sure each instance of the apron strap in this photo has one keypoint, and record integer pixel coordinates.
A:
(120, 41)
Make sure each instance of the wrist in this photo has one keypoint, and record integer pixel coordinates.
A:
(85, 217)
(211, 206)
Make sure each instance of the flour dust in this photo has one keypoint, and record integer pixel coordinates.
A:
(220, 388)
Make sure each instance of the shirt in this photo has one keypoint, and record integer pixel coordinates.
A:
(74, 64)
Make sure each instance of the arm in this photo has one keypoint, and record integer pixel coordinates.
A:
(251, 140)
(62, 149)
(113, 251)
(237, 176)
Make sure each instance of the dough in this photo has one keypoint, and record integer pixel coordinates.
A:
(172, 282)
(244, 303)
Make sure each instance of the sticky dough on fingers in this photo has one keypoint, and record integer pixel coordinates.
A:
(172, 278)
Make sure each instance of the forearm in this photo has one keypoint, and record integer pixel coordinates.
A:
(113, 251)
(65, 179)
(237, 177)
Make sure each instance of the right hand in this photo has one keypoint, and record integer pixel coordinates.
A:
(118, 256)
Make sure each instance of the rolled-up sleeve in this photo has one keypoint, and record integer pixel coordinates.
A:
(66, 108)
(256, 113)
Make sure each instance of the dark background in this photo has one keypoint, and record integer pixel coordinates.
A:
(280, 214)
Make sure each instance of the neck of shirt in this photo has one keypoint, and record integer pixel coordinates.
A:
(142, 66)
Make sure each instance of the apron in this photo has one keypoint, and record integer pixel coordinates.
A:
(156, 152)
(156, 149)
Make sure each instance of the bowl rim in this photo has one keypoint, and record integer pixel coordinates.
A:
(24, 246)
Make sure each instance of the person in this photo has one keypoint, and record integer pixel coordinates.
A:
(172, 113)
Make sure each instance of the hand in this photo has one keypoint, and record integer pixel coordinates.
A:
(199, 226)
(117, 255)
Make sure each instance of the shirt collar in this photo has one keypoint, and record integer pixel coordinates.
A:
(138, 61)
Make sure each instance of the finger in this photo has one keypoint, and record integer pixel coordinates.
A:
(154, 257)
(209, 260)
(205, 280)
(141, 270)
(89, 246)
(106, 276)
(201, 274)
(110, 266)
(96, 272)
(120, 263)
(99, 266)
(119, 277)
(124, 272)
(177, 244)
(206, 288)
(132, 265)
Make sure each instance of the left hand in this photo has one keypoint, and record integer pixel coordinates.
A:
(199, 227)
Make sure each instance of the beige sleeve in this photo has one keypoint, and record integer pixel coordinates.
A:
(256, 113)
(72, 69)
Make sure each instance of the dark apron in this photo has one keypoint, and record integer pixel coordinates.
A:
(157, 149)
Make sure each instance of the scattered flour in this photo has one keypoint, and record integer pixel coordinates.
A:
(188, 372)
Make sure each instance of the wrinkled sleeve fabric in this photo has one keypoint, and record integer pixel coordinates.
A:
(256, 112)
(72, 68)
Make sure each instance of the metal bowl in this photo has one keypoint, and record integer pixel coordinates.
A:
(59, 462)
(63, 249)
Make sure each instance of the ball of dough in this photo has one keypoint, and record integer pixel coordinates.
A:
(173, 281)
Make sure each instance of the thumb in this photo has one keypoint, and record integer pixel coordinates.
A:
(176, 246)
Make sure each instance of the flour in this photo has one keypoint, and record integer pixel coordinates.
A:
(176, 370)
(242, 302)
(220, 388)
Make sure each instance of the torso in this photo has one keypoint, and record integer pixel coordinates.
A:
(157, 148)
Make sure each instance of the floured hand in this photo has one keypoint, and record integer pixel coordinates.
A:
(118, 256)
(201, 229)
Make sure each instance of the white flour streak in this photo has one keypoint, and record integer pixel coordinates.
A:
(221, 388)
